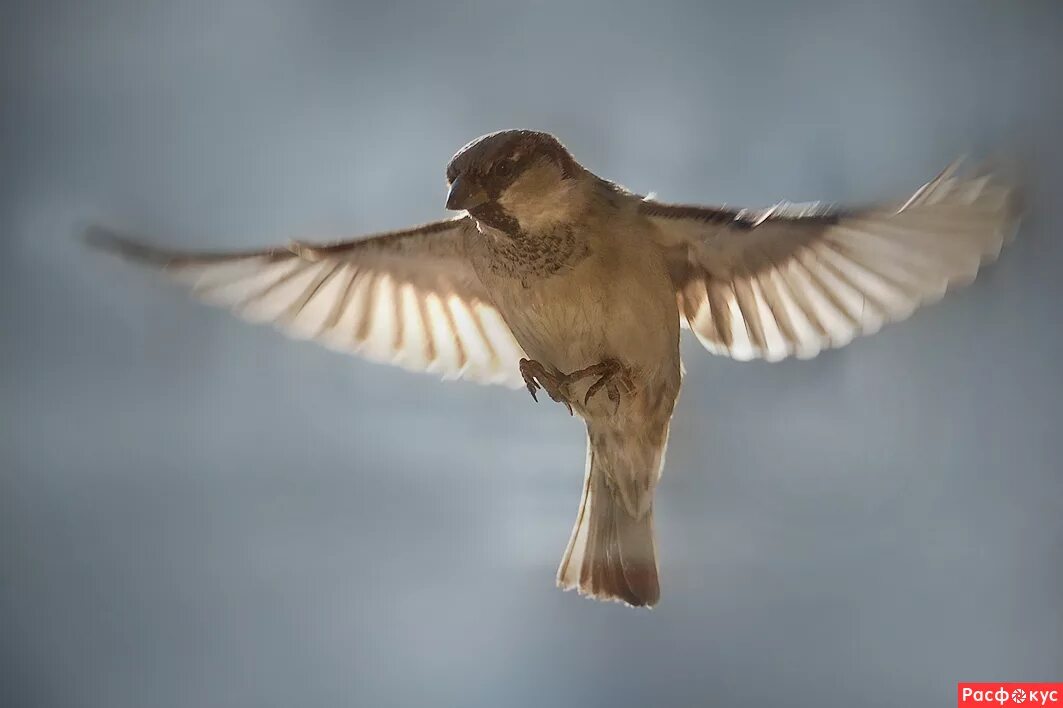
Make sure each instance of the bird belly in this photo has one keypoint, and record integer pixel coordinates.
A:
(591, 314)
(561, 326)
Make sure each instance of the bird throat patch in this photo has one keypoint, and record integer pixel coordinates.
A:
(536, 255)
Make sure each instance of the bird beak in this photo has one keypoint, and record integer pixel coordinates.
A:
(465, 194)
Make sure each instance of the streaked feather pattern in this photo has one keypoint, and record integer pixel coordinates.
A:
(793, 280)
(407, 297)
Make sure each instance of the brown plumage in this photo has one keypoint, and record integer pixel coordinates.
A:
(563, 282)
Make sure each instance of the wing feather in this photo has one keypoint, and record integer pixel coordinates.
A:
(407, 297)
(796, 279)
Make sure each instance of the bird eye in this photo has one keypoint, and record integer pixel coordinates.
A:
(503, 168)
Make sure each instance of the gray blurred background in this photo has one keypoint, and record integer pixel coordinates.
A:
(198, 512)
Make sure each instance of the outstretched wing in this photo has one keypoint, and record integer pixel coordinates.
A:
(407, 297)
(796, 279)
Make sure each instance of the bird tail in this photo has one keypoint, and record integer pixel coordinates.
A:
(611, 554)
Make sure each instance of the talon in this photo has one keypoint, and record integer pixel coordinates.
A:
(611, 375)
(536, 377)
(526, 370)
(593, 389)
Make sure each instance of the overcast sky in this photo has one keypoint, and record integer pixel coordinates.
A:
(198, 512)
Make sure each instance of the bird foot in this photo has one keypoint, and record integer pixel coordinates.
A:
(536, 376)
(612, 376)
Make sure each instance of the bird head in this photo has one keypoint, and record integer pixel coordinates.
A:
(516, 181)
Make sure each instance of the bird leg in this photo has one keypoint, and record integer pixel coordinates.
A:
(611, 376)
(537, 376)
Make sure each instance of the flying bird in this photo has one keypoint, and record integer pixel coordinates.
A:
(565, 283)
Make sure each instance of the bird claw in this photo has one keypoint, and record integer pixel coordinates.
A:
(610, 390)
(611, 374)
(536, 377)
(529, 381)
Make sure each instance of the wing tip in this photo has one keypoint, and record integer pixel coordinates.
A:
(108, 240)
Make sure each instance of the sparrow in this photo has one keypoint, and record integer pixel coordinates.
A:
(569, 285)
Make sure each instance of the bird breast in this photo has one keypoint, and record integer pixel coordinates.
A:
(609, 298)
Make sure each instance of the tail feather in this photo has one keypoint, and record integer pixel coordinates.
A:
(611, 554)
